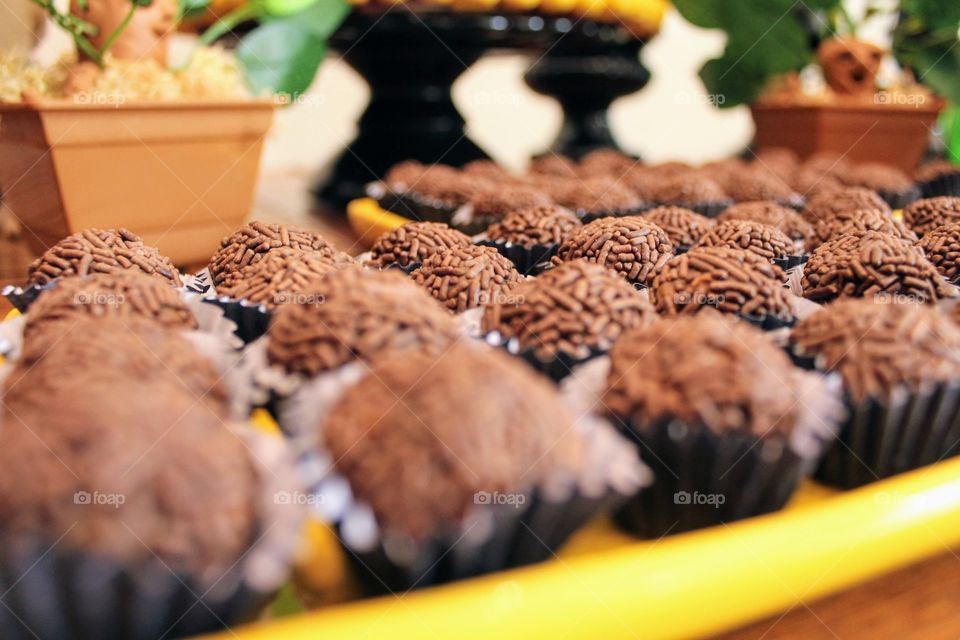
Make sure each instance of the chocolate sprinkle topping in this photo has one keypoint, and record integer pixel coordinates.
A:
(942, 248)
(926, 215)
(415, 242)
(765, 241)
(827, 204)
(545, 226)
(683, 226)
(278, 278)
(765, 212)
(467, 277)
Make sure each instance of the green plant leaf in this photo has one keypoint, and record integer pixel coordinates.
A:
(281, 56)
(323, 17)
(702, 13)
(284, 7)
(191, 8)
(934, 13)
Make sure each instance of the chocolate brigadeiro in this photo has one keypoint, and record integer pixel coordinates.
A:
(893, 185)
(606, 162)
(415, 242)
(764, 240)
(568, 314)
(683, 226)
(101, 251)
(871, 265)
(355, 314)
(825, 205)
(942, 248)
(123, 294)
(938, 178)
(597, 196)
(731, 280)
(692, 191)
(251, 242)
(765, 212)
(632, 246)
(554, 165)
(535, 226)
(752, 185)
(58, 358)
(492, 203)
(900, 365)
(467, 277)
(926, 215)
(486, 169)
(278, 278)
(858, 221)
(404, 175)
(480, 468)
(687, 389)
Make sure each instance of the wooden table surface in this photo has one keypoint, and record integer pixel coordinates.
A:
(919, 602)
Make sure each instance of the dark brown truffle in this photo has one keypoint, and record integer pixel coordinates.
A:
(279, 278)
(877, 176)
(858, 221)
(596, 195)
(683, 226)
(486, 169)
(606, 162)
(463, 278)
(942, 248)
(926, 215)
(632, 246)
(702, 370)
(497, 201)
(251, 242)
(123, 295)
(765, 212)
(573, 309)
(826, 205)
(731, 280)
(445, 187)
(935, 169)
(415, 242)
(129, 472)
(356, 314)
(871, 265)
(764, 240)
(689, 189)
(552, 164)
(643, 182)
(878, 348)
(101, 251)
(751, 185)
(472, 420)
(60, 358)
(545, 226)
(826, 163)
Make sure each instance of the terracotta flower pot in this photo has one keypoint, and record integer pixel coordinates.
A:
(180, 174)
(896, 135)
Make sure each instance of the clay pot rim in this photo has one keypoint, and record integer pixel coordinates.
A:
(936, 105)
(63, 104)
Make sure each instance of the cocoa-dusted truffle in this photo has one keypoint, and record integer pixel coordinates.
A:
(463, 278)
(765, 212)
(60, 357)
(880, 347)
(605, 162)
(731, 280)
(128, 472)
(632, 246)
(871, 265)
(926, 215)
(124, 294)
(279, 278)
(683, 226)
(596, 195)
(574, 309)
(704, 370)
(877, 176)
(942, 248)
(533, 226)
(753, 184)
(356, 314)
(496, 201)
(471, 420)
(826, 205)
(764, 240)
(552, 164)
(858, 221)
(101, 251)
(415, 242)
(251, 242)
(689, 188)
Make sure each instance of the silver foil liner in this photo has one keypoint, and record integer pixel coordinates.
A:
(52, 591)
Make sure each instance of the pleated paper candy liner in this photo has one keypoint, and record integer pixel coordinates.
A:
(412, 206)
(498, 533)
(702, 478)
(52, 591)
(22, 297)
(900, 199)
(947, 184)
(586, 217)
(791, 262)
(556, 368)
(251, 319)
(708, 209)
(529, 261)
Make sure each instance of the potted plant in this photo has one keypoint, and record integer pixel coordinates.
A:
(773, 45)
(174, 160)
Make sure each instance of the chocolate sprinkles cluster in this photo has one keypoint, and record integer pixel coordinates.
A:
(278, 278)
(415, 242)
(101, 251)
(463, 278)
(923, 216)
(683, 226)
(632, 246)
(764, 240)
(765, 212)
(532, 226)
(942, 248)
